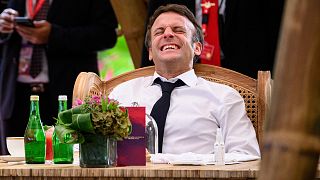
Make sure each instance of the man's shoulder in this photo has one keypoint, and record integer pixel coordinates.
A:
(136, 82)
(214, 84)
(220, 90)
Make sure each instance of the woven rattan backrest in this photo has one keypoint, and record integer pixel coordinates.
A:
(254, 92)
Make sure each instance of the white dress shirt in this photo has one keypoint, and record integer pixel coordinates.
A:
(196, 110)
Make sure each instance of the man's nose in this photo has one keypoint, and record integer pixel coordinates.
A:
(168, 33)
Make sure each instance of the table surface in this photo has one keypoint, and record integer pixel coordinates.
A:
(243, 170)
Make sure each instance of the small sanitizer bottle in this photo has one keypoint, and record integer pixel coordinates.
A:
(219, 149)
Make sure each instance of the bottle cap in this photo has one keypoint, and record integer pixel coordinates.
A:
(62, 98)
(34, 98)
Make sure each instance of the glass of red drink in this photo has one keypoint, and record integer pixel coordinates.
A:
(49, 153)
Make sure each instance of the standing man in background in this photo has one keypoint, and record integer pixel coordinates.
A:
(46, 59)
(3, 5)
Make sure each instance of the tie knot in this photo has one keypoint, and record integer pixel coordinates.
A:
(167, 86)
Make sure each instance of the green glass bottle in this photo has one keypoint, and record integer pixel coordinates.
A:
(34, 137)
(62, 153)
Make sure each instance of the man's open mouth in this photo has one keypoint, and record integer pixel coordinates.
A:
(169, 46)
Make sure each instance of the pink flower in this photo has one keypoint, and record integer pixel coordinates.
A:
(96, 99)
(77, 102)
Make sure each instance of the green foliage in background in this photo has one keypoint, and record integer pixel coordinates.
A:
(115, 61)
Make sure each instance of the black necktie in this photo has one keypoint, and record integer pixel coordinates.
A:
(38, 50)
(160, 109)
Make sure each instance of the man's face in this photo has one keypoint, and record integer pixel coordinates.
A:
(171, 41)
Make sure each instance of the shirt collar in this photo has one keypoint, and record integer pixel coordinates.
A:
(189, 78)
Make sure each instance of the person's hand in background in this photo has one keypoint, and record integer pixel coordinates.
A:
(7, 20)
(36, 35)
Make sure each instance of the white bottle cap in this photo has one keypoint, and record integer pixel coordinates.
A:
(34, 98)
(62, 98)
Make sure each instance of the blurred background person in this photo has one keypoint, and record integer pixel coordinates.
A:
(46, 59)
(3, 5)
(249, 34)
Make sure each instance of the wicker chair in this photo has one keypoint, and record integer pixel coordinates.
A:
(256, 93)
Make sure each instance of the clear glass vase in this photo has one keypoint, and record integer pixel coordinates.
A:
(151, 135)
(98, 151)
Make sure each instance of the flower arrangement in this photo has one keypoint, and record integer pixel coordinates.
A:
(94, 115)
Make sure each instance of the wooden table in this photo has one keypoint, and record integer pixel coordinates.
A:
(246, 170)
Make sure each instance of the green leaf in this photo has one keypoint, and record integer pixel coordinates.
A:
(104, 104)
(63, 131)
(46, 127)
(66, 116)
(77, 109)
(82, 122)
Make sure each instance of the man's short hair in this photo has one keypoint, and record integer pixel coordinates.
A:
(181, 10)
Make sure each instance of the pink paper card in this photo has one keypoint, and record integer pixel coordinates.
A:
(132, 150)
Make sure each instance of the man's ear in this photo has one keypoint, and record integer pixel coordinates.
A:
(197, 47)
(150, 54)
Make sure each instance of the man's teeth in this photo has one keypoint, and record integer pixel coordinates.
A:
(169, 47)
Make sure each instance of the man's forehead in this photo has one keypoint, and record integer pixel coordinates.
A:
(171, 19)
